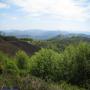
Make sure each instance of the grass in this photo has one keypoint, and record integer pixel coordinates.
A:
(33, 83)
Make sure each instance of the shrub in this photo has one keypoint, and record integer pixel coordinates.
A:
(78, 63)
(44, 64)
(11, 68)
(73, 65)
(22, 61)
(3, 59)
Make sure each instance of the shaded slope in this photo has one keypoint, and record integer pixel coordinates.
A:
(27, 47)
(11, 45)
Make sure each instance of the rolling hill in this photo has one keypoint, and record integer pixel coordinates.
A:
(60, 42)
(10, 45)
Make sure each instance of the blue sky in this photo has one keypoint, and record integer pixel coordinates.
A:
(68, 15)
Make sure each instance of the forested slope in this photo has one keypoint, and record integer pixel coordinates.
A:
(45, 68)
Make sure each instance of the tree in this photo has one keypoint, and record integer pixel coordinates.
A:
(44, 64)
(22, 61)
(78, 63)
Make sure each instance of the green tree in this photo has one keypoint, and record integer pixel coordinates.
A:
(7, 65)
(22, 61)
(44, 64)
(77, 66)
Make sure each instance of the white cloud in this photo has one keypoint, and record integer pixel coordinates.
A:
(3, 5)
(66, 9)
(51, 14)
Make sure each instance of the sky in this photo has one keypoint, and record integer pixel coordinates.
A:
(65, 15)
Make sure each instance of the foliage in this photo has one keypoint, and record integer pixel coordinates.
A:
(72, 66)
(7, 65)
(78, 63)
(59, 43)
(26, 39)
(44, 64)
(22, 61)
(11, 68)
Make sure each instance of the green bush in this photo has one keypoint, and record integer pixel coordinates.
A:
(77, 64)
(44, 64)
(11, 68)
(22, 61)
(72, 65)
(7, 65)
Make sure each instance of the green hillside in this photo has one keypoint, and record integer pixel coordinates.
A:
(60, 42)
(27, 64)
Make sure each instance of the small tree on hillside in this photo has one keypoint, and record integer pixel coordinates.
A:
(22, 60)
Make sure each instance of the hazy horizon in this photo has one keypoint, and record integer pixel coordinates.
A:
(43, 30)
(49, 15)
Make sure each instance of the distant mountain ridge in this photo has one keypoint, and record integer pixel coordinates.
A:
(42, 34)
(35, 34)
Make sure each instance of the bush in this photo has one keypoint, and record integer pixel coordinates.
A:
(77, 63)
(44, 64)
(73, 65)
(3, 58)
(22, 61)
(11, 68)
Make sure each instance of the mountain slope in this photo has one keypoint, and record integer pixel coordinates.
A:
(71, 38)
(60, 42)
(11, 45)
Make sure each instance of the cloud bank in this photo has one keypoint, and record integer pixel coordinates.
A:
(51, 14)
